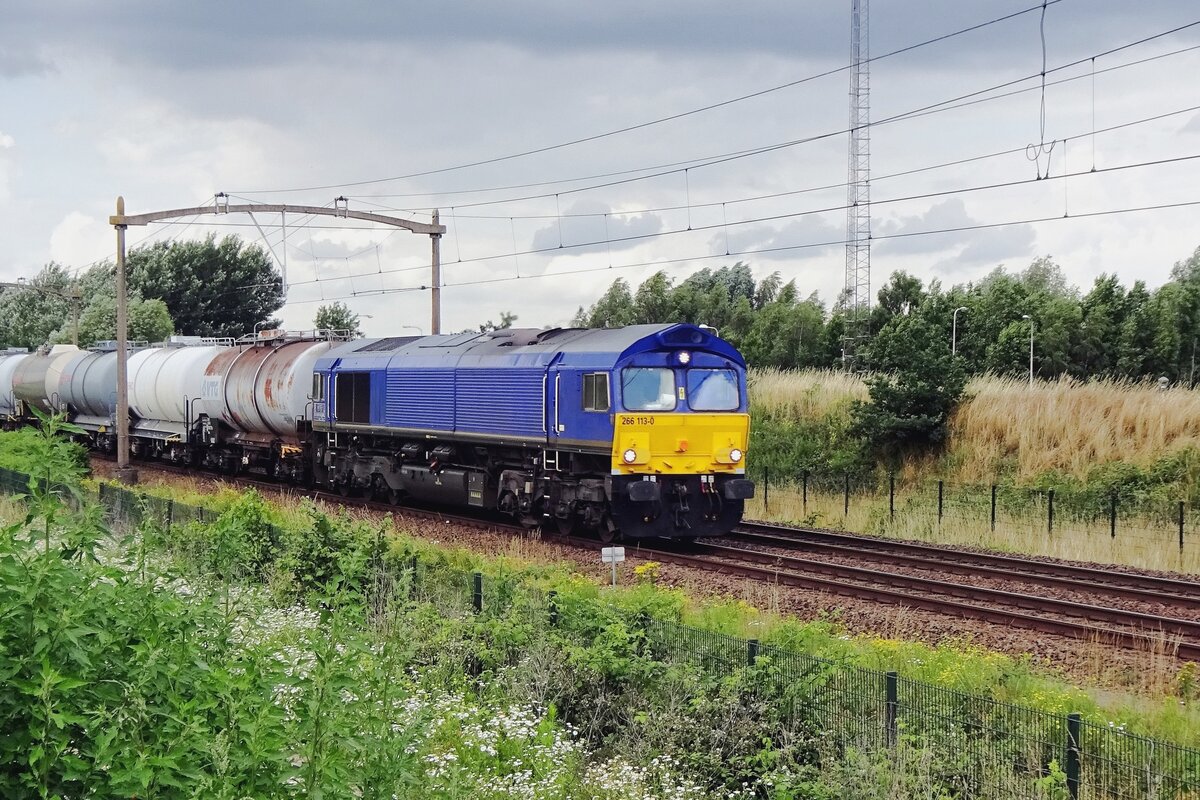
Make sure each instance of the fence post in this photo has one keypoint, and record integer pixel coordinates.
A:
(751, 651)
(804, 483)
(846, 506)
(552, 598)
(170, 513)
(1050, 511)
(477, 593)
(941, 492)
(1072, 760)
(412, 582)
(994, 507)
(1181, 526)
(766, 487)
(892, 707)
(1112, 515)
(892, 496)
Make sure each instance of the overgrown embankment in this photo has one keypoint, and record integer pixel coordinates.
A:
(1098, 437)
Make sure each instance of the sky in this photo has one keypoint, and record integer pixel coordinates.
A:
(395, 105)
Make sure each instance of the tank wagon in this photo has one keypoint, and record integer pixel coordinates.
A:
(640, 431)
(9, 359)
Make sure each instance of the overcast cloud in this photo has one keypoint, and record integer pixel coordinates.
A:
(169, 103)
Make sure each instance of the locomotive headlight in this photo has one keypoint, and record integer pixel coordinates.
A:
(630, 456)
(735, 455)
(684, 357)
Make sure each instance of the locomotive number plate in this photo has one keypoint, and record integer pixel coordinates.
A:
(625, 421)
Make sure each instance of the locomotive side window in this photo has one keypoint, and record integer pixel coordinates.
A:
(318, 387)
(648, 389)
(595, 392)
(712, 389)
(352, 397)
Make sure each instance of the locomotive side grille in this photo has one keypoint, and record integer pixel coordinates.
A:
(504, 400)
(420, 398)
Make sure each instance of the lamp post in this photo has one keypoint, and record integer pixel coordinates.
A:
(954, 331)
(1026, 316)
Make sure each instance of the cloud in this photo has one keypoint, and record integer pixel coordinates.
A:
(808, 236)
(19, 62)
(969, 248)
(591, 221)
(6, 141)
(77, 237)
(1193, 125)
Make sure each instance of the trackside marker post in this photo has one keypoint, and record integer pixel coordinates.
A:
(614, 556)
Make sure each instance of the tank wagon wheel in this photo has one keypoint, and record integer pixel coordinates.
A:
(344, 489)
(394, 497)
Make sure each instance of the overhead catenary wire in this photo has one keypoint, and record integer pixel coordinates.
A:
(941, 106)
(778, 249)
(663, 119)
(797, 214)
(366, 198)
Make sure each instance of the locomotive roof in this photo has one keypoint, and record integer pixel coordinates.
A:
(612, 342)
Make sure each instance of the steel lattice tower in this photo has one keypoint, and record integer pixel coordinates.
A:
(858, 189)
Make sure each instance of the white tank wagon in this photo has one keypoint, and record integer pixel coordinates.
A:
(165, 386)
(9, 359)
(88, 387)
(36, 378)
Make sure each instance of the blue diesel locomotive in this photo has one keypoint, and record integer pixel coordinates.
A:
(638, 431)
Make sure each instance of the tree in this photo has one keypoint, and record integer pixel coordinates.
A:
(507, 318)
(613, 310)
(914, 385)
(337, 316)
(210, 288)
(149, 321)
(29, 318)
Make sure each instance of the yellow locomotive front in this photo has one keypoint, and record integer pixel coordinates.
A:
(680, 437)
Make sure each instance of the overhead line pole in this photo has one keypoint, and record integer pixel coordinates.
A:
(125, 473)
(120, 221)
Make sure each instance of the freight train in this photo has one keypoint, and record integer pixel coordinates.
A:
(629, 432)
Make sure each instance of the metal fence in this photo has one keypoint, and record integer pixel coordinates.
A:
(969, 745)
(1121, 513)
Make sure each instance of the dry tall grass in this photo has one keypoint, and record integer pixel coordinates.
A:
(1004, 427)
(804, 394)
(1068, 426)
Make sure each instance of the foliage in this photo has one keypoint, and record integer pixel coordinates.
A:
(210, 287)
(914, 385)
(507, 318)
(29, 318)
(1108, 332)
(337, 316)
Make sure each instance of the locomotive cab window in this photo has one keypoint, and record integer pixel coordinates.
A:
(648, 389)
(318, 387)
(712, 389)
(595, 392)
(352, 401)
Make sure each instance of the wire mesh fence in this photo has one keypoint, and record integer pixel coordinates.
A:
(969, 745)
(1136, 525)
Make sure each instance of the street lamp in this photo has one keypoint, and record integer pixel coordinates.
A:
(954, 331)
(1026, 316)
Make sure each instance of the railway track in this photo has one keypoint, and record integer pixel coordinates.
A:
(1099, 623)
(1131, 586)
(731, 556)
